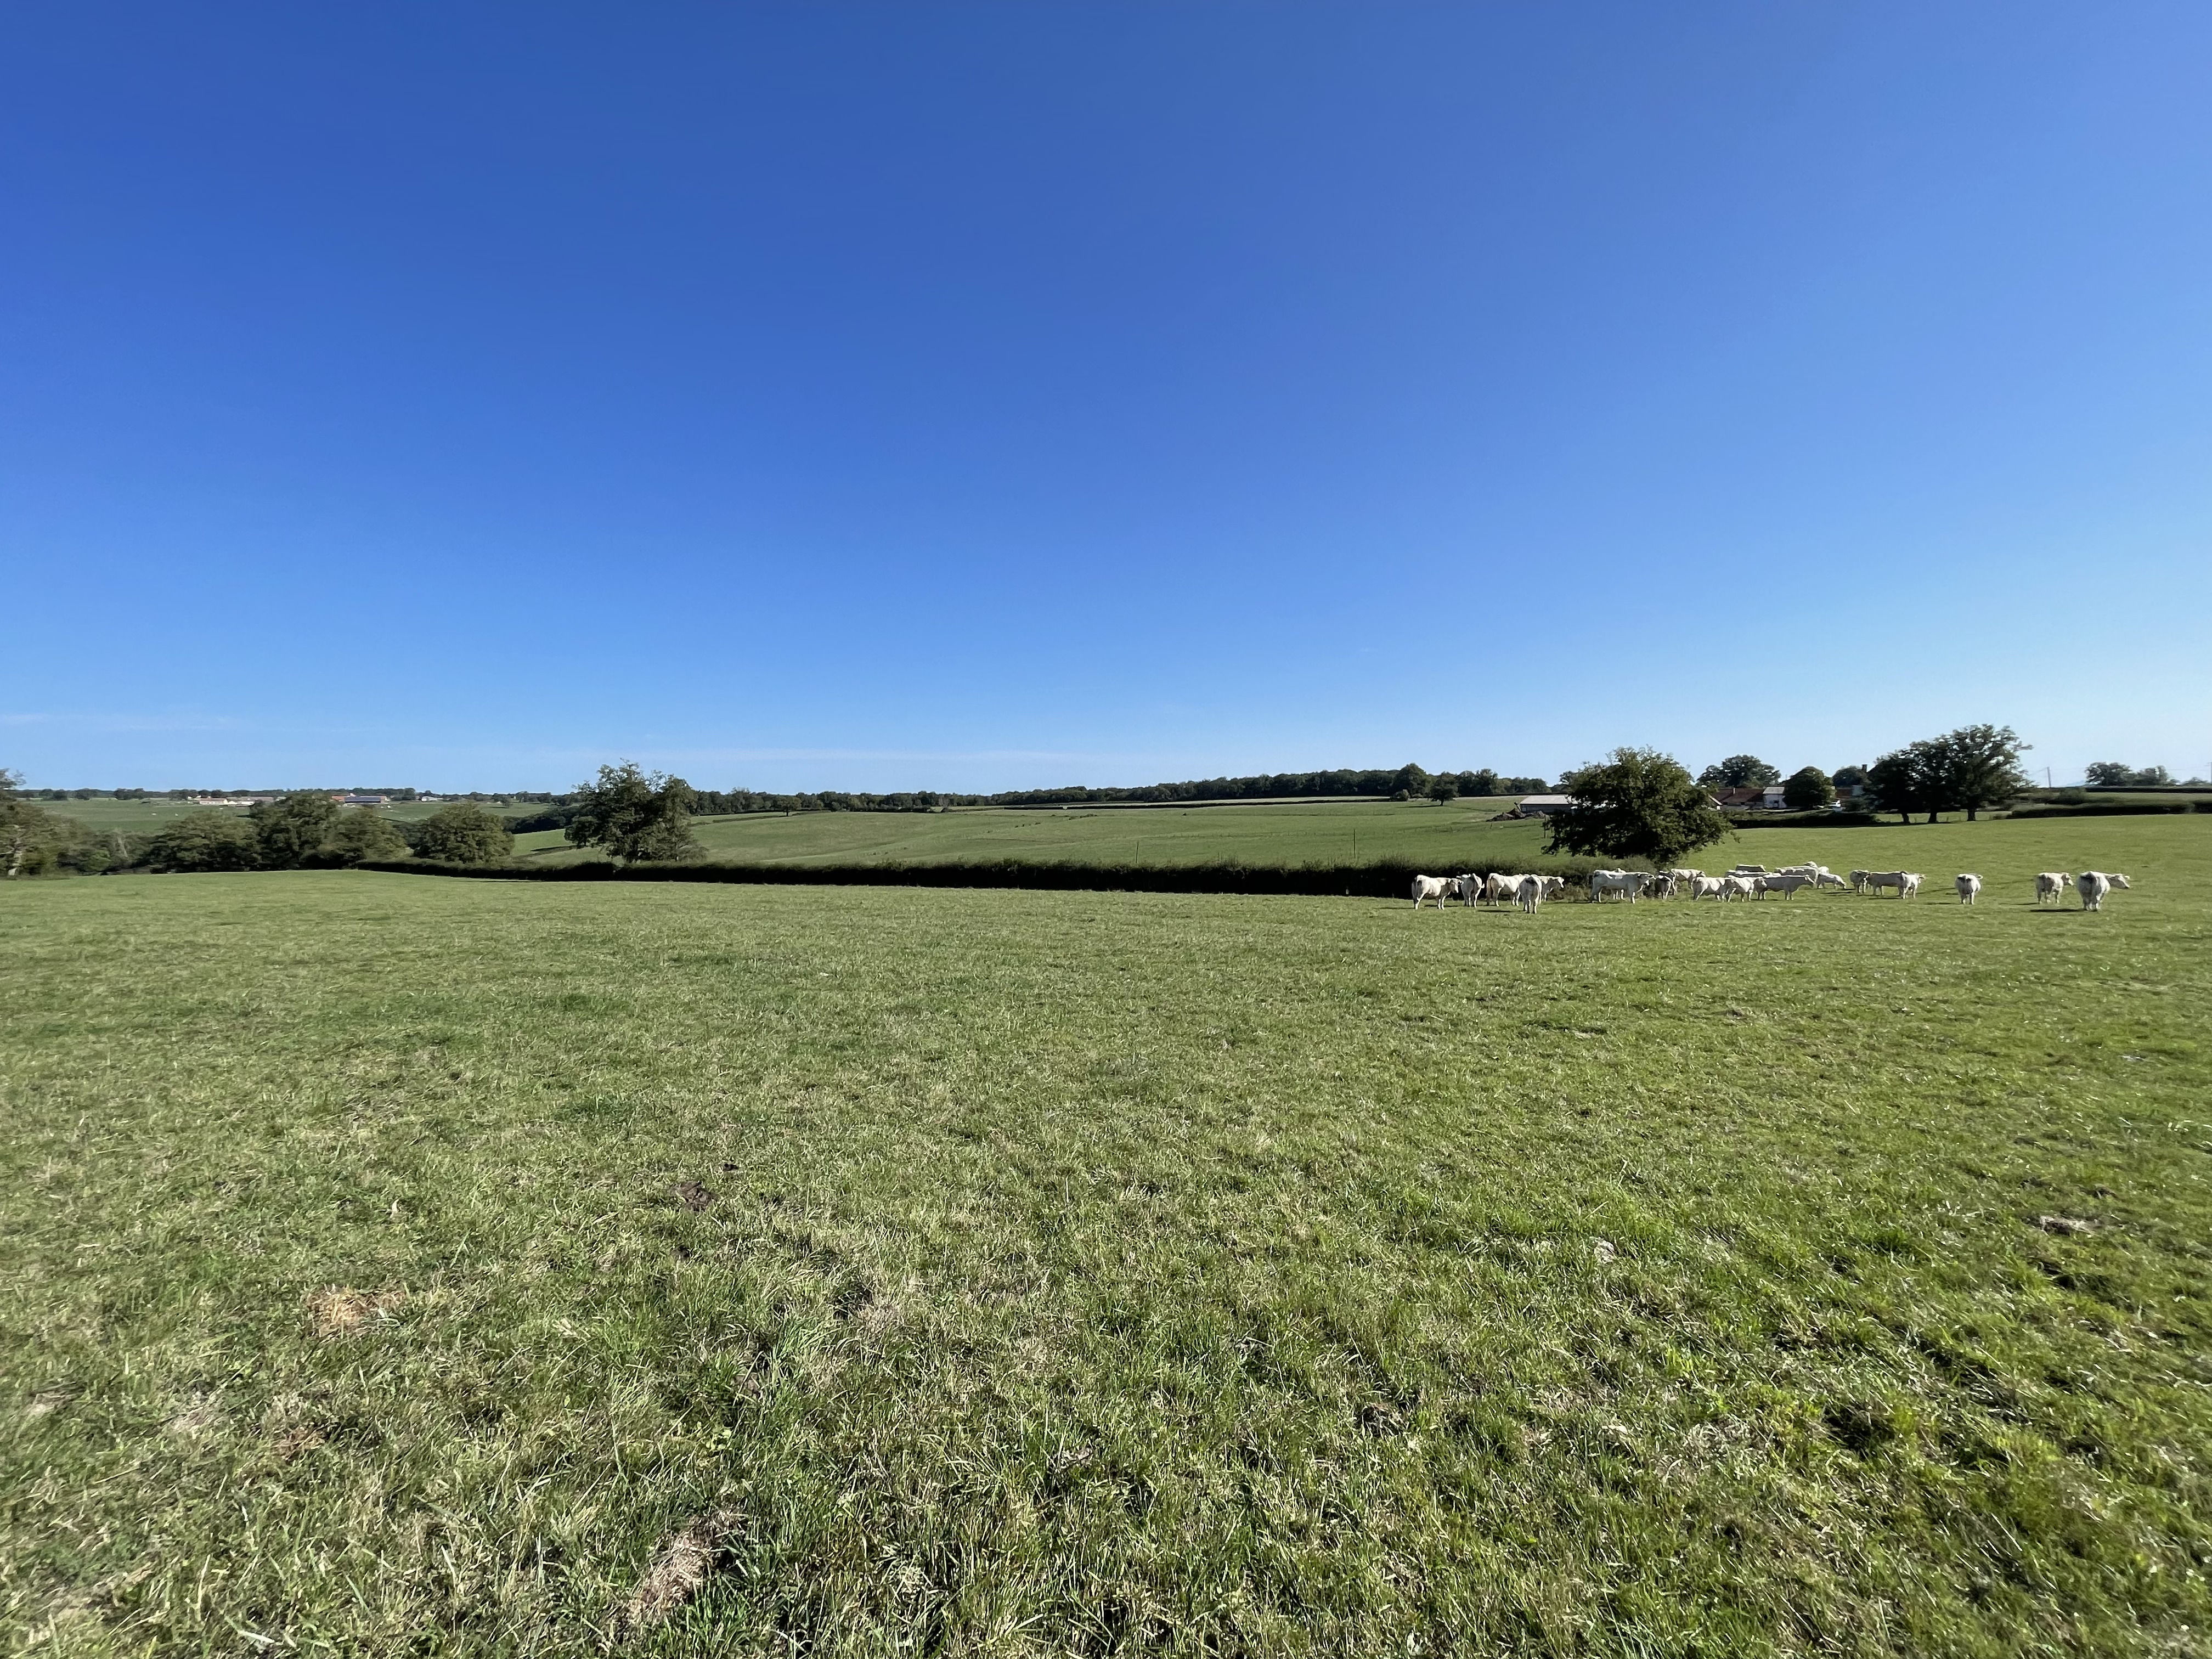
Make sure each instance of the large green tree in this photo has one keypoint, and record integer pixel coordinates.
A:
(27, 833)
(204, 841)
(1908, 781)
(1637, 803)
(637, 817)
(1979, 768)
(1807, 790)
(464, 833)
(290, 829)
(1740, 772)
(365, 832)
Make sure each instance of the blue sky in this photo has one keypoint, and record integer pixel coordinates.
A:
(987, 396)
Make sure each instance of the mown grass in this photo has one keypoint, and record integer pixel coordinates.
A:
(1108, 1273)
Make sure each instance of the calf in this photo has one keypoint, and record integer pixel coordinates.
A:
(2093, 885)
(2051, 884)
(1970, 888)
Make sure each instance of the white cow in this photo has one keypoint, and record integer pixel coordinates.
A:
(1737, 887)
(2051, 884)
(1530, 893)
(1662, 886)
(1705, 887)
(1683, 875)
(1970, 888)
(2093, 885)
(1786, 882)
(1630, 882)
(1829, 878)
(1501, 888)
(1906, 883)
(1859, 879)
(1430, 887)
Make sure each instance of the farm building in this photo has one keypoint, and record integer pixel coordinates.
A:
(1537, 806)
(1751, 799)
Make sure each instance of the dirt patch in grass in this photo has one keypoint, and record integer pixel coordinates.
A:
(340, 1310)
(687, 1558)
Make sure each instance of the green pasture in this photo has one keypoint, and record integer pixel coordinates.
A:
(1328, 832)
(396, 1264)
(138, 817)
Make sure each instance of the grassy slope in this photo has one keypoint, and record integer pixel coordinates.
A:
(1195, 1274)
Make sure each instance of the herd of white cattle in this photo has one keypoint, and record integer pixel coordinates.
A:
(1746, 881)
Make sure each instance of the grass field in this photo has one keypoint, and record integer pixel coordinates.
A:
(139, 817)
(390, 1264)
(1332, 832)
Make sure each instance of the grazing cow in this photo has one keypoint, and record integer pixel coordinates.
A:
(1970, 888)
(1829, 878)
(2051, 884)
(1530, 893)
(1630, 882)
(1705, 887)
(1430, 887)
(1904, 881)
(1737, 887)
(2093, 885)
(1786, 882)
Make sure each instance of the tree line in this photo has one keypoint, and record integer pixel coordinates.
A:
(305, 829)
(1639, 803)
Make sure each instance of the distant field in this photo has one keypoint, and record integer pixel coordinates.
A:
(393, 1264)
(1330, 832)
(144, 817)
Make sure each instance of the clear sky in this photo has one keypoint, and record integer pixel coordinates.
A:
(921, 394)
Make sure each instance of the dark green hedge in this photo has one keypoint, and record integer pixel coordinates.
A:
(1821, 820)
(2106, 809)
(1383, 879)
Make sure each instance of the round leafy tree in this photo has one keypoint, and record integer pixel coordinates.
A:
(1740, 772)
(1637, 804)
(637, 816)
(464, 833)
(204, 840)
(366, 832)
(1807, 790)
